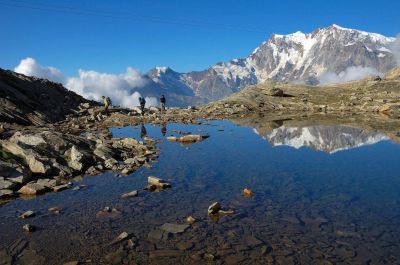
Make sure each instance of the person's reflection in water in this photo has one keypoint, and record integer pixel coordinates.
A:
(164, 129)
(143, 131)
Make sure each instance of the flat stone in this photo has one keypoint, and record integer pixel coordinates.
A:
(27, 214)
(252, 241)
(184, 245)
(6, 184)
(174, 228)
(32, 189)
(133, 193)
(61, 187)
(6, 193)
(54, 210)
(234, 259)
(155, 235)
(120, 237)
(72, 263)
(49, 183)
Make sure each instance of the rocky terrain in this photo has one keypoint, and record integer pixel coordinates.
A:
(29, 100)
(373, 94)
(46, 142)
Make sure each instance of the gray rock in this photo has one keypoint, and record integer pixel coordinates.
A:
(130, 161)
(61, 187)
(110, 163)
(155, 235)
(133, 193)
(27, 214)
(104, 152)
(32, 189)
(214, 208)
(174, 228)
(120, 237)
(28, 228)
(5, 184)
(48, 183)
(6, 193)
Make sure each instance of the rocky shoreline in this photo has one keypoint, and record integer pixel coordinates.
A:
(44, 156)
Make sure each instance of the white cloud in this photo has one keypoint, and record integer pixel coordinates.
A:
(30, 67)
(351, 73)
(395, 49)
(92, 85)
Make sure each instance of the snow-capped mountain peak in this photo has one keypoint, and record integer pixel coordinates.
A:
(295, 57)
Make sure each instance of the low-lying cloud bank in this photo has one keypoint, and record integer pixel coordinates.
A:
(351, 73)
(91, 84)
(395, 49)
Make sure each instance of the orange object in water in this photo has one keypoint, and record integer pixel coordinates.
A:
(247, 192)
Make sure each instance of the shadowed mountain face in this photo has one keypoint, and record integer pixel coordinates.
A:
(30, 100)
(296, 57)
(329, 139)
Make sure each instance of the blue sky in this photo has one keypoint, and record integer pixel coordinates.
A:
(109, 36)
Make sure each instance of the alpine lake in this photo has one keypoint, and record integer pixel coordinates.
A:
(323, 191)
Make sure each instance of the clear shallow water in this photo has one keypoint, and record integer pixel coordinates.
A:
(313, 204)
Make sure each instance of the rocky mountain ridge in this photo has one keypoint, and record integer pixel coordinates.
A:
(296, 57)
(30, 100)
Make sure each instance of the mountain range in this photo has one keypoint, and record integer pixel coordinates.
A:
(296, 57)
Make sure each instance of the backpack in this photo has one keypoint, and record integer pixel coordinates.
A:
(108, 100)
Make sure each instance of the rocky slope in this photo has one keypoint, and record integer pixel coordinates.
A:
(29, 100)
(373, 94)
(295, 57)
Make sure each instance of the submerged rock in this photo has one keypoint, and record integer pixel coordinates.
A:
(27, 214)
(133, 193)
(121, 237)
(174, 228)
(29, 228)
(154, 183)
(214, 208)
(247, 192)
(190, 220)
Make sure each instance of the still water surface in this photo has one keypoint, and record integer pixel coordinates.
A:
(322, 194)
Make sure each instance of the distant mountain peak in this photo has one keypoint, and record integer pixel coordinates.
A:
(295, 57)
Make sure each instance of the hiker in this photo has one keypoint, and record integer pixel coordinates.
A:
(107, 103)
(164, 129)
(162, 100)
(142, 102)
(143, 131)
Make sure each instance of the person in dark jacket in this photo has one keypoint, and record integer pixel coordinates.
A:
(162, 100)
(142, 102)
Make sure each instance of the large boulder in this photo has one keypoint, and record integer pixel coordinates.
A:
(79, 159)
(36, 162)
(14, 172)
(32, 189)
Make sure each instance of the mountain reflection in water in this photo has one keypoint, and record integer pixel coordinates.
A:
(329, 139)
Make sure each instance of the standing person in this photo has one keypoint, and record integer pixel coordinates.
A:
(162, 100)
(142, 102)
(107, 103)
(143, 131)
(164, 129)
